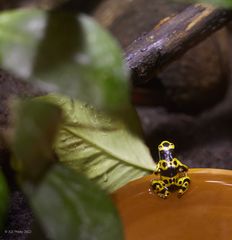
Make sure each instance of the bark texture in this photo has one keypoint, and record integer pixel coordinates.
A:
(172, 37)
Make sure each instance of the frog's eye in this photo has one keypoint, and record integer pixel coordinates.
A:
(172, 146)
(166, 144)
(164, 164)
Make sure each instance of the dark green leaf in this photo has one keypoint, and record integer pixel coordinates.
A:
(65, 53)
(69, 206)
(101, 147)
(220, 3)
(35, 129)
(4, 196)
(217, 3)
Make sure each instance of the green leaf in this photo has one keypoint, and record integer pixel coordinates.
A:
(36, 125)
(220, 3)
(4, 203)
(217, 3)
(69, 206)
(64, 53)
(101, 147)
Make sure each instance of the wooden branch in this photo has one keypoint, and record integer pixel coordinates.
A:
(171, 38)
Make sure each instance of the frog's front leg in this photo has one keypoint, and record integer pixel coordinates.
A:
(160, 188)
(183, 185)
(183, 168)
(157, 169)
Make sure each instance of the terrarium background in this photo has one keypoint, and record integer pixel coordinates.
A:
(198, 118)
(198, 86)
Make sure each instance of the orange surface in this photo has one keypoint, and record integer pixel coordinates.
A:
(204, 212)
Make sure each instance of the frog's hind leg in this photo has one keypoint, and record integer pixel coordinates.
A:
(183, 185)
(160, 188)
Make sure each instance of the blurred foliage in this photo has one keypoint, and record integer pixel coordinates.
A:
(4, 203)
(69, 206)
(220, 3)
(102, 147)
(66, 204)
(217, 3)
(36, 125)
(64, 53)
(71, 54)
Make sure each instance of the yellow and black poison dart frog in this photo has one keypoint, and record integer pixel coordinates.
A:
(172, 172)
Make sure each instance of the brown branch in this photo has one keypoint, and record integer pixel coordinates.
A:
(171, 38)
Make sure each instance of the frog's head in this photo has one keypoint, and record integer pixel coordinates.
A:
(166, 150)
(165, 146)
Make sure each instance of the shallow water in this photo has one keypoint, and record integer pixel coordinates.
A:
(204, 212)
